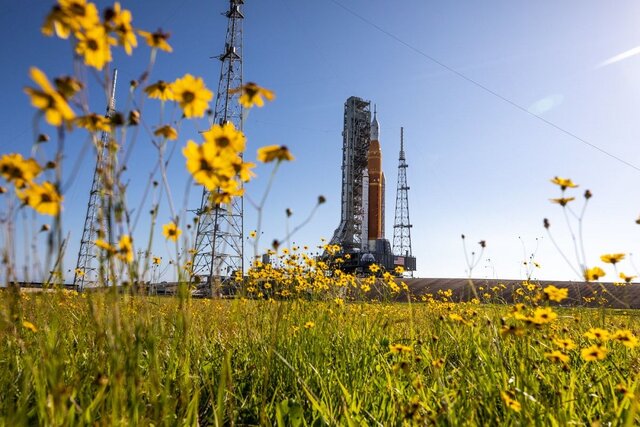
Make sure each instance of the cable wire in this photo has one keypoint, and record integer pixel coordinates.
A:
(481, 86)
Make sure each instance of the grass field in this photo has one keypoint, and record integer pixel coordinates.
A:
(70, 358)
(304, 342)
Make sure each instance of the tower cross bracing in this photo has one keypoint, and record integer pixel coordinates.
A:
(219, 251)
(88, 273)
(402, 224)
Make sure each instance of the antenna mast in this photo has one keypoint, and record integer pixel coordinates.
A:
(86, 273)
(402, 225)
(219, 251)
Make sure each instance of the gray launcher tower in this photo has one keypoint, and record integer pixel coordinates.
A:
(361, 230)
(350, 234)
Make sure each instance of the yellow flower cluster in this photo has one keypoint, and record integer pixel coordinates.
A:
(93, 38)
(124, 251)
(188, 91)
(510, 401)
(295, 273)
(399, 348)
(564, 183)
(43, 197)
(217, 163)
(251, 94)
(556, 294)
(539, 316)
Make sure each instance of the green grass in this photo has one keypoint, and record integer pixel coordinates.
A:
(122, 360)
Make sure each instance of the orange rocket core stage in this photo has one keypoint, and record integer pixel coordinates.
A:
(376, 178)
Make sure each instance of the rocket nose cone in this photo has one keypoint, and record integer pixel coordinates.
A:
(375, 128)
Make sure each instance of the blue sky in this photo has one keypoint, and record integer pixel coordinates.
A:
(478, 165)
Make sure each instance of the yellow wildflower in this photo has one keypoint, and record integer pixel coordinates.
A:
(626, 278)
(562, 201)
(456, 317)
(252, 234)
(157, 260)
(598, 334)
(626, 337)
(309, 325)
(157, 40)
(519, 307)
(270, 153)
(49, 100)
(125, 247)
(70, 15)
(67, 86)
(510, 401)
(543, 315)
(171, 231)
(225, 138)
(513, 330)
(612, 258)
(79, 272)
(564, 343)
(624, 391)
(557, 356)
(399, 348)
(167, 132)
(374, 268)
(243, 169)
(95, 46)
(227, 191)
(564, 183)
(15, 168)
(104, 245)
(203, 163)
(192, 95)
(43, 198)
(595, 352)
(119, 21)
(437, 363)
(94, 122)
(159, 90)
(30, 326)
(556, 294)
(399, 270)
(252, 95)
(592, 274)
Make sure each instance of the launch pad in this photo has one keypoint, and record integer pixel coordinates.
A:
(361, 232)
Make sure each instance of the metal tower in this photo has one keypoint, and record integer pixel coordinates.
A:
(219, 236)
(86, 273)
(355, 145)
(402, 225)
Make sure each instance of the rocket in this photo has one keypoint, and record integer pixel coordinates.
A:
(375, 192)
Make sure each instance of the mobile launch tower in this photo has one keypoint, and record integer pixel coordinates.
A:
(362, 220)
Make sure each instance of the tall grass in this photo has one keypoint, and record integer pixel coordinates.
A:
(122, 360)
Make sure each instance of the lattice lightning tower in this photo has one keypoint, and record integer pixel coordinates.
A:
(219, 235)
(402, 225)
(87, 273)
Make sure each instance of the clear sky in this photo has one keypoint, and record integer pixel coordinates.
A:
(477, 164)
